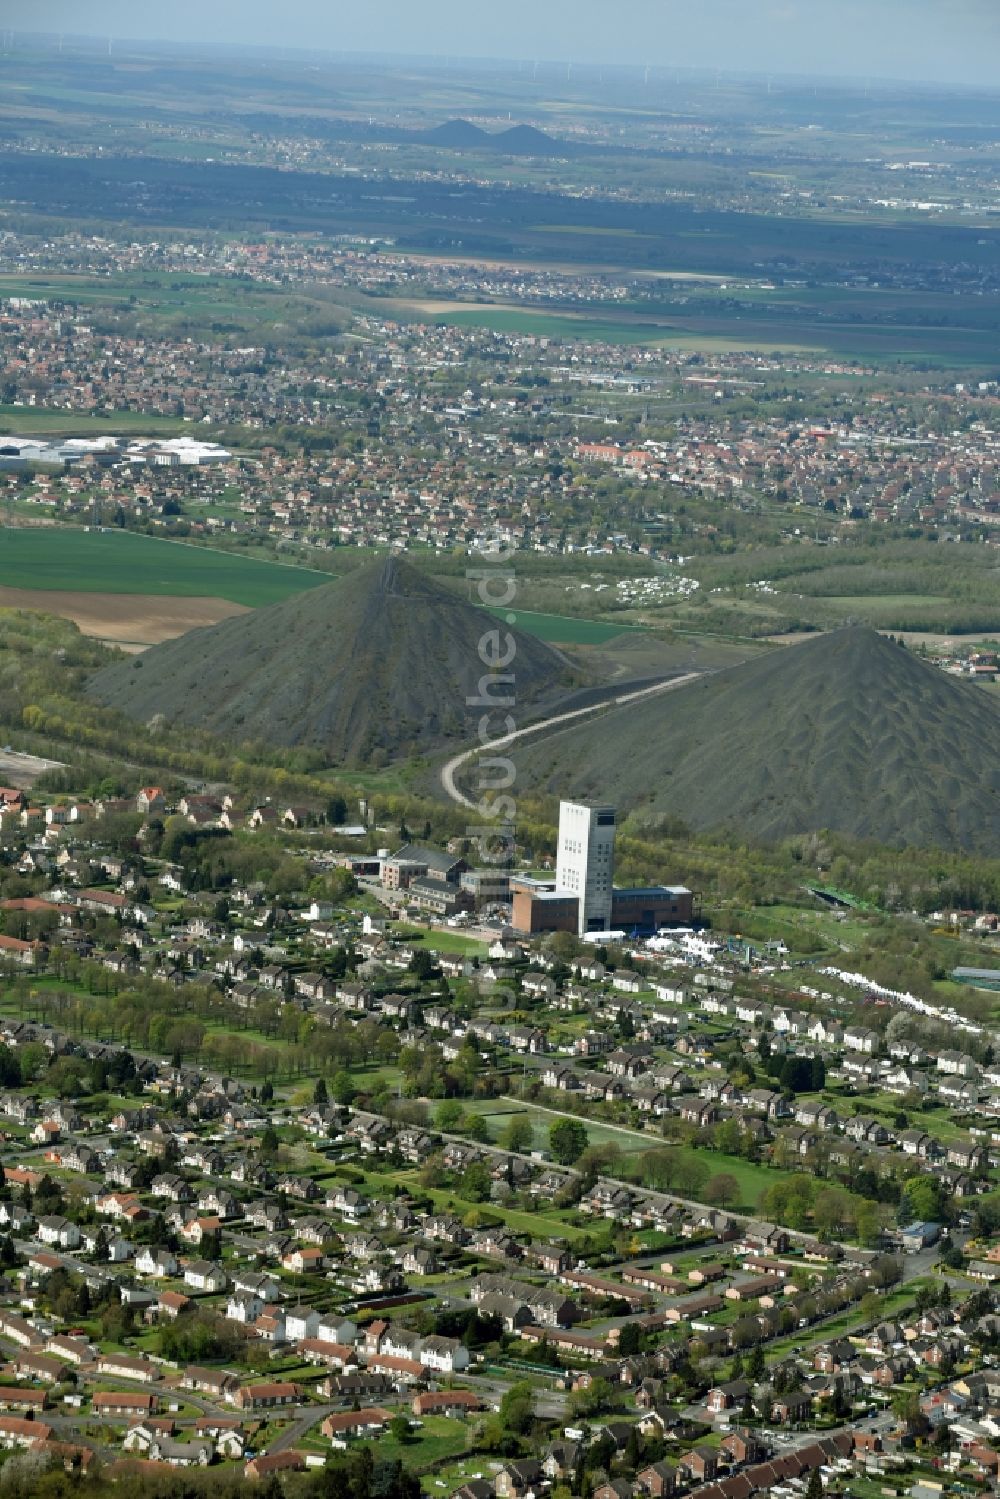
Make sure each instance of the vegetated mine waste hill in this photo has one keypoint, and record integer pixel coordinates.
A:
(373, 667)
(849, 732)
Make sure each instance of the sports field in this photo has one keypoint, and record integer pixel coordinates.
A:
(120, 562)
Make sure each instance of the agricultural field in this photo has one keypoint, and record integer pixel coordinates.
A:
(41, 421)
(863, 324)
(131, 589)
(131, 621)
(177, 302)
(123, 562)
(617, 330)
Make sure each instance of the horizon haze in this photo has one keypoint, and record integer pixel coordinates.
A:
(909, 40)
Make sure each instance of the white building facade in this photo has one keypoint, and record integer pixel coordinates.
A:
(585, 861)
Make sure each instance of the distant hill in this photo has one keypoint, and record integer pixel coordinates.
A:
(526, 140)
(519, 140)
(375, 666)
(848, 732)
(457, 134)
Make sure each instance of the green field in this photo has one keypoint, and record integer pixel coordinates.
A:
(437, 1438)
(796, 330)
(752, 1179)
(446, 942)
(619, 330)
(122, 562)
(46, 421)
(184, 300)
(563, 629)
(112, 561)
(554, 325)
(516, 1220)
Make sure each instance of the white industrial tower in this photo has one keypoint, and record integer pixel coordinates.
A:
(585, 863)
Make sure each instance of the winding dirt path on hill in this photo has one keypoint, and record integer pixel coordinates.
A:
(449, 771)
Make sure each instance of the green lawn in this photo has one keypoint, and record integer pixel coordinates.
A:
(751, 1178)
(850, 1320)
(123, 562)
(439, 1437)
(802, 928)
(445, 942)
(517, 1221)
(454, 1475)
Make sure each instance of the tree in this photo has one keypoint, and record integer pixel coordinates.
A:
(596, 1397)
(796, 1074)
(399, 1428)
(922, 1200)
(448, 1116)
(474, 1126)
(320, 1095)
(269, 1141)
(906, 1405)
(629, 1340)
(336, 811)
(692, 1173)
(476, 1182)
(723, 1189)
(343, 1088)
(815, 1490)
(870, 1306)
(564, 945)
(519, 1135)
(517, 1409)
(422, 964)
(567, 1141)
(10, 1068)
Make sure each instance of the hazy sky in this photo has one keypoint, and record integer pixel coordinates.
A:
(953, 40)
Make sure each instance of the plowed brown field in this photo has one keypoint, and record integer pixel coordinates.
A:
(131, 620)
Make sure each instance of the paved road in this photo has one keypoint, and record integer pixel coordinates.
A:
(449, 771)
(303, 1422)
(552, 1404)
